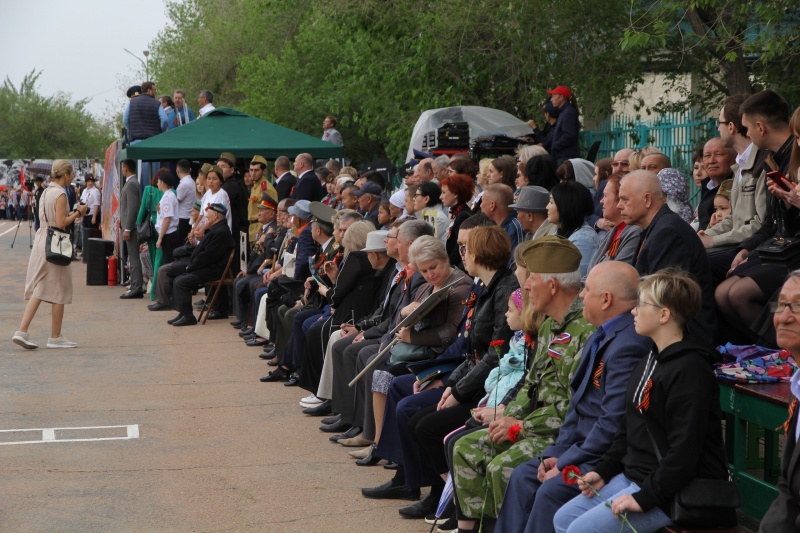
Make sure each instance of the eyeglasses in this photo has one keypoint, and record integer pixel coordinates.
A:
(718, 122)
(389, 237)
(778, 307)
(642, 302)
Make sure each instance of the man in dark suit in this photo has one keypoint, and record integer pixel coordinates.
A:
(536, 489)
(128, 209)
(284, 180)
(783, 516)
(667, 241)
(308, 186)
(206, 264)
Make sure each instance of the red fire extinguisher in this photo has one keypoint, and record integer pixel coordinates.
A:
(113, 262)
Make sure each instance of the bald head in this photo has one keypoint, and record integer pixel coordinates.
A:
(621, 162)
(640, 197)
(426, 170)
(611, 288)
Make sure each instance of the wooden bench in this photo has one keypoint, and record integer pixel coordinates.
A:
(754, 411)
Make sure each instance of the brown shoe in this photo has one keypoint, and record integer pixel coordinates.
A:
(355, 442)
(360, 454)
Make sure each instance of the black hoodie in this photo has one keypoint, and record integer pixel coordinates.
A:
(677, 393)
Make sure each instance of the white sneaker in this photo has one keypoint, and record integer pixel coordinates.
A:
(312, 399)
(60, 342)
(21, 338)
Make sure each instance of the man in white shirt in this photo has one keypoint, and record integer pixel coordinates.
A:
(205, 102)
(186, 197)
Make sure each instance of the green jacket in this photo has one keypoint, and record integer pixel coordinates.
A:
(558, 352)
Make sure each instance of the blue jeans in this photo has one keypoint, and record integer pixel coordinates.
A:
(582, 514)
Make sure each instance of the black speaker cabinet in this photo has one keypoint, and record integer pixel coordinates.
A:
(95, 252)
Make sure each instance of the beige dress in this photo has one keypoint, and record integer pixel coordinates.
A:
(46, 281)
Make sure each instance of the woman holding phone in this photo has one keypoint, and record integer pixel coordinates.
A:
(45, 281)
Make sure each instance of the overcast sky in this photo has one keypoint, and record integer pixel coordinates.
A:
(78, 46)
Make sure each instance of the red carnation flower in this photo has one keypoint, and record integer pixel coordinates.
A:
(570, 474)
(513, 432)
(499, 342)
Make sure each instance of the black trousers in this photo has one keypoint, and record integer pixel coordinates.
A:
(182, 288)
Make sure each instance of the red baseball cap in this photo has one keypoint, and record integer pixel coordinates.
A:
(562, 90)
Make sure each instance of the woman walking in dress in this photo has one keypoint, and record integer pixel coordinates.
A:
(47, 282)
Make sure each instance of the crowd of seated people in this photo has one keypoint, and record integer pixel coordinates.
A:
(576, 305)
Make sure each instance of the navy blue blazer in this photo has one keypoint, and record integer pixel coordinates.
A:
(598, 405)
(309, 188)
(306, 247)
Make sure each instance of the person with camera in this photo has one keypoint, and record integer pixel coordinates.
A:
(45, 281)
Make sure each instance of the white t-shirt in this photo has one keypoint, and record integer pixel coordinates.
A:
(186, 195)
(167, 208)
(220, 197)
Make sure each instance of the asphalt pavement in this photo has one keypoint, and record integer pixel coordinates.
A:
(148, 427)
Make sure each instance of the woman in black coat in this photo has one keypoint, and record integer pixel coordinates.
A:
(417, 443)
(351, 299)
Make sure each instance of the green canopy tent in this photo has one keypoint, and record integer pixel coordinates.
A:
(229, 130)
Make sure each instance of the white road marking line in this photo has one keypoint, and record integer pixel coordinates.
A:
(49, 434)
(9, 230)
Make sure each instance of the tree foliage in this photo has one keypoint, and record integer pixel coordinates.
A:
(33, 125)
(377, 64)
(730, 46)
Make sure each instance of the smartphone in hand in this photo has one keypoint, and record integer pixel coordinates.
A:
(777, 178)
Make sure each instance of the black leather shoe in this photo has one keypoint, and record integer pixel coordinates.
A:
(268, 355)
(199, 303)
(391, 465)
(320, 410)
(237, 323)
(173, 320)
(354, 431)
(274, 362)
(293, 381)
(390, 491)
(158, 307)
(216, 315)
(269, 349)
(246, 332)
(331, 419)
(186, 320)
(278, 374)
(336, 427)
(131, 295)
(421, 509)
(256, 342)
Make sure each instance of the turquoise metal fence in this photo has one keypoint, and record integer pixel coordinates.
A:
(676, 134)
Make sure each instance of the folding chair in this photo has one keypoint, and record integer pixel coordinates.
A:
(226, 279)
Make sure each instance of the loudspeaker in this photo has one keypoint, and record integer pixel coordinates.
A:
(89, 233)
(95, 252)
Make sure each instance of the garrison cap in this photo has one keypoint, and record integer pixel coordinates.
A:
(552, 255)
